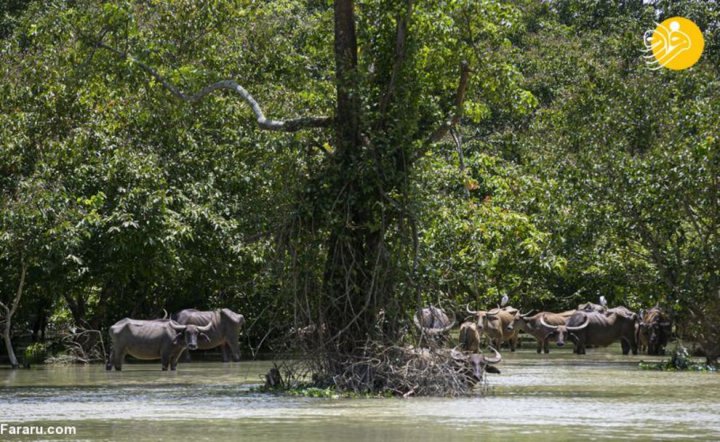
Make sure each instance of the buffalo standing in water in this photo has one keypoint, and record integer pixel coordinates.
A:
(224, 331)
(161, 339)
(499, 326)
(653, 331)
(545, 327)
(602, 329)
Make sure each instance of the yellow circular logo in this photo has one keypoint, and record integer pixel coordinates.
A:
(676, 43)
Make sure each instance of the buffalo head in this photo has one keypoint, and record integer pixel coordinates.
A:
(477, 363)
(190, 333)
(561, 332)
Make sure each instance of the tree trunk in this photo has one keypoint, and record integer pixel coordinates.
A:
(9, 312)
(343, 276)
(8, 345)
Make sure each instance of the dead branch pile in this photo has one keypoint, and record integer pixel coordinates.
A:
(400, 370)
(81, 346)
(381, 365)
(409, 371)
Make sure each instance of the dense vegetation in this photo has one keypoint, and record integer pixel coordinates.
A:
(473, 149)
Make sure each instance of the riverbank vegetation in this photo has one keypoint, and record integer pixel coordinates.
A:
(378, 157)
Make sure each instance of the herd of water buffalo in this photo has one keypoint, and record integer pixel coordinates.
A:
(589, 325)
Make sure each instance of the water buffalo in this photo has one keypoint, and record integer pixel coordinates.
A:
(225, 327)
(561, 332)
(477, 364)
(602, 329)
(469, 336)
(433, 321)
(162, 339)
(653, 331)
(499, 326)
(543, 333)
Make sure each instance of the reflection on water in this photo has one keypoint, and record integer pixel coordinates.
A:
(538, 397)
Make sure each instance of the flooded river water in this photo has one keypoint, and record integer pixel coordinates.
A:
(602, 395)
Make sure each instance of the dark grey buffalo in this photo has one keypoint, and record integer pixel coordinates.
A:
(602, 329)
(224, 331)
(653, 331)
(162, 339)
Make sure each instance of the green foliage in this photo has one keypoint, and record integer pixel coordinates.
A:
(35, 353)
(479, 239)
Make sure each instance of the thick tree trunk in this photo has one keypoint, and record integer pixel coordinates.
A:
(342, 285)
(355, 258)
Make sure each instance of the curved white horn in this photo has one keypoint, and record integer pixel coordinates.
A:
(472, 312)
(205, 328)
(580, 327)
(545, 324)
(496, 359)
(176, 326)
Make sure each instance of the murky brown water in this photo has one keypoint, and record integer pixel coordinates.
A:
(538, 397)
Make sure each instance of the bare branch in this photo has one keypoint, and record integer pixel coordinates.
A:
(291, 125)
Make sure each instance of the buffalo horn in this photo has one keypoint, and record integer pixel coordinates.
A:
(472, 312)
(176, 326)
(580, 327)
(545, 324)
(526, 315)
(494, 360)
(458, 355)
(205, 328)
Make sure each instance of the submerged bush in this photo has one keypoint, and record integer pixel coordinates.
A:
(680, 360)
